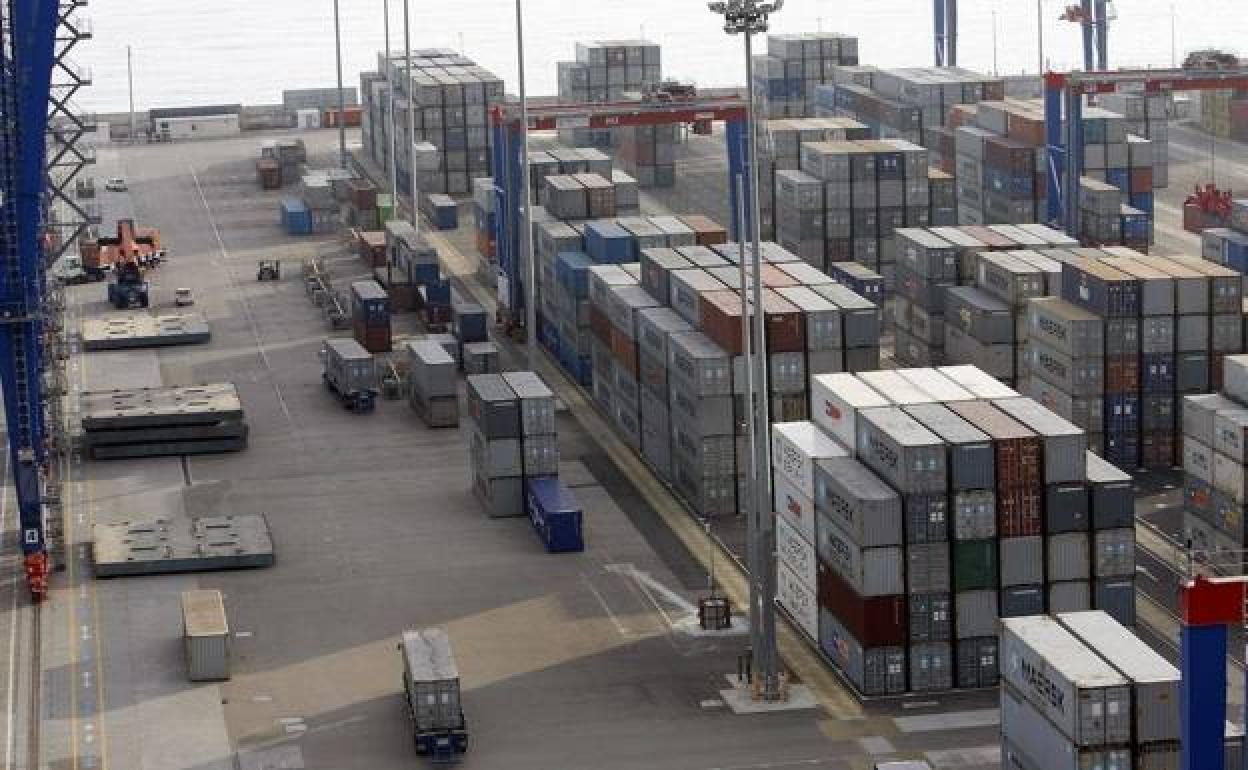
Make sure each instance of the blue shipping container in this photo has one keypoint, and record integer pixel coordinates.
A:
(608, 243)
(555, 514)
(1235, 251)
(470, 322)
(1119, 177)
(425, 275)
(1136, 225)
(296, 217)
(548, 335)
(445, 215)
(572, 272)
(438, 293)
(1142, 201)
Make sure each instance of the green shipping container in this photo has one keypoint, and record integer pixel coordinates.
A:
(385, 208)
(974, 565)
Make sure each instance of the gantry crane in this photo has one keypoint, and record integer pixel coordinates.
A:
(945, 26)
(27, 55)
(1093, 16)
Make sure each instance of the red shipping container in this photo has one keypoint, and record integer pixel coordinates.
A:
(1239, 120)
(706, 231)
(1122, 374)
(1019, 512)
(375, 339)
(372, 247)
(624, 351)
(1017, 449)
(842, 249)
(599, 325)
(721, 319)
(784, 323)
(775, 278)
(1157, 450)
(1142, 180)
(876, 621)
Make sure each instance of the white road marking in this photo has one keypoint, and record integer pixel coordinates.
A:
(606, 608)
(251, 322)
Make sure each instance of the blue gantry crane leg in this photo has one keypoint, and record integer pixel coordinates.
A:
(27, 43)
(1207, 606)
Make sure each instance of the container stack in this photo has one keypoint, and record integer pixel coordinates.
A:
(1224, 113)
(1147, 117)
(648, 153)
(441, 210)
(432, 391)
(780, 149)
(496, 456)
(606, 71)
(483, 216)
(453, 97)
(906, 103)
(614, 309)
(871, 189)
(539, 444)
(1215, 494)
(370, 316)
(786, 78)
(956, 502)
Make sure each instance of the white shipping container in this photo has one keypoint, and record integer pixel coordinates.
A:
(977, 381)
(1031, 742)
(936, 385)
(1198, 459)
(795, 446)
(895, 388)
(799, 599)
(835, 400)
(1078, 692)
(206, 635)
(796, 552)
(1228, 476)
(794, 507)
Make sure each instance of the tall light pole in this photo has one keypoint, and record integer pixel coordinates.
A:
(1174, 51)
(342, 98)
(1040, 37)
(130, 79)
(747, 18)
(526, 235)
(410, 147)
(994, 43)
(394, 124)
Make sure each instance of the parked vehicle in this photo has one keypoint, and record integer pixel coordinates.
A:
(431, 694)
(116, 184)
(127, 289)
(351, 373)
(269, 270)
(139, 245)
(182, 297)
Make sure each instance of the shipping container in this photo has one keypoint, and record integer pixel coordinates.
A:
(858, 502)
(870, 572)
(1064, 443)
(206, 636)
(873, 670)
(836, 400)
(555, 514)
(969, 450)
(536, 403)
(493, 406)
(796, 447)
(1031, 742)
(905, 454)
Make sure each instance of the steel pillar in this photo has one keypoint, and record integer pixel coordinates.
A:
(1089, 62)
(1074, 160)
(951, 33)
(1207, 607)
(938, 27)
(1054, 85)
(736, 140)
(1102, 36)
(69, 155)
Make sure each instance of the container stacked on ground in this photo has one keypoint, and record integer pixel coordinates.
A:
(1215, 494)
(941, 501)
(413, 275)
(606, 71)
(787, 76)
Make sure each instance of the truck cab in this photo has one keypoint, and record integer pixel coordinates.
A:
(350, 372)
(69, 269)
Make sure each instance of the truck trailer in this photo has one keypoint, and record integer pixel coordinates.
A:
(350, 373)
(431, 694)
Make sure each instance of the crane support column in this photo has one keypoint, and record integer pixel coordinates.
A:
(25, 84)
(1054, 86)
(1073, 160)
(1207, 607)
(938, 29)
(737, 138)
(951, 33)
(1102, 36)
(1086, 23)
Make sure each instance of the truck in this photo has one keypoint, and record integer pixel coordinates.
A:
(126, 288)
(350, 373)
(431, 695)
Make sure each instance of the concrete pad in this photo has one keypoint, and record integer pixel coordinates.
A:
(981, 756)
(956, 720)
(738, 699)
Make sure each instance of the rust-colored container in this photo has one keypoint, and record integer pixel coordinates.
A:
(721, 319)
(1019, 512)
(875, 621)
(600, 325)
(624, 351)
(375, 338)
(1017, 449)
(1142, 180)
(268, 174)
(371, 245)
(786, 329)
(1215, 370)
(1122, 374)
(775, 278)
(363, 194)
(1157, 450)
(706, 231)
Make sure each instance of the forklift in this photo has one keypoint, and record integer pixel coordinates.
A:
(269, 270)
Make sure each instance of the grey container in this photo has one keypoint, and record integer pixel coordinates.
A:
(1235, 377)
(927, 568)
(927, 517)
(1113, 498)
(931, 617)
(996, 360)
(871, 571)
(1230, 433)
(686, 288)
(656, 266)
(1226, 333)
(974, 514)
(931, 667)
(1113, 553)
(1122, 336)
(655, 325)
(1065, 328)
(431, 681)
(502, 498)
(820, 315)
(700, 415)
(700, 364)
(205, 636)
(1008, 279)
(977, 661)
(1067, 508)
(481, 358)
(433, 370)
(1064, 443)
(872, 670)
(1069, 596)
(1021, 601)
(1154, 680)
(1191, 333)
(926, 254)
(1191, 372)
(975, 613)
(1022, 560)
(858, 502)
(1115, 596)
(1076, 376)
(905, 454)
(1157, 334)
(979, 314)
(1199, 412)
(970, 453)
(860, 318)
(1074, 689)
(496, 458)
(1068, 555)
(493, 406)
(537, 403)
(540, 455)
(1029, 741)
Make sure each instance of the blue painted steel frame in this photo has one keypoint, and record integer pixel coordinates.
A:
(1056, 149)
(938, 28)
(1202, 695)
(28, 77)
(508, 201)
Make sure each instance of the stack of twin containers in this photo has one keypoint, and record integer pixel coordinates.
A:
(513, 437)
(414, 273)
(941, 501)
(1081, 690)
(606, 71)
(432, 391)
(1215, 493)
(786, 78)
(370, 316)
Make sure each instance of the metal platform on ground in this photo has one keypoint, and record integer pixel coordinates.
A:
(168, 449)
(161, 546)
(144, 331)
(231, 429)
(159, 407)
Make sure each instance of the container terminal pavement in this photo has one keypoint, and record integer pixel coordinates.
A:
(593, 644)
